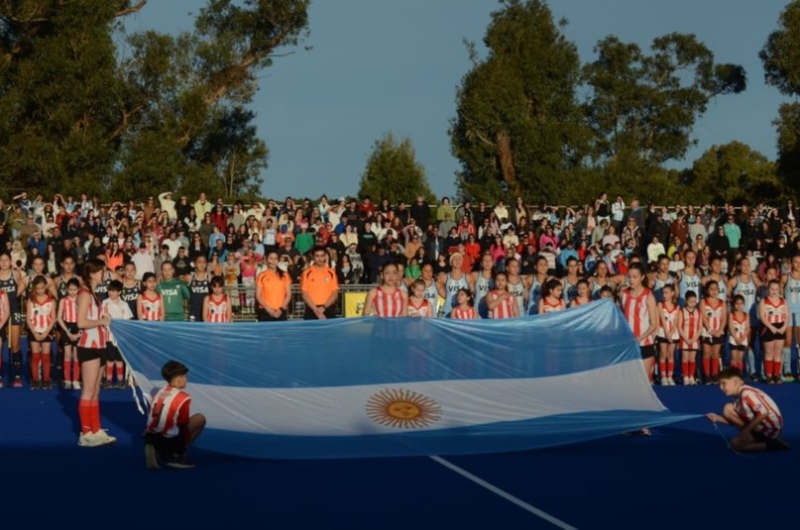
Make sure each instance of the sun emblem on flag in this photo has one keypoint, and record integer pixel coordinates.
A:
(402, 409)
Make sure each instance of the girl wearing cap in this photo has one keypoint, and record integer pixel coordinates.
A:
(454, 280)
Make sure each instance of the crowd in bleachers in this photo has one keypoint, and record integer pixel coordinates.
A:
(176, 258)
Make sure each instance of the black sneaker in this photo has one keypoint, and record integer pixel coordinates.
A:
(36, 385)
(179, 462)
(778, 444)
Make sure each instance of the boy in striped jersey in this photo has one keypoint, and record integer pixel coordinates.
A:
(753, 412)
(171, 428)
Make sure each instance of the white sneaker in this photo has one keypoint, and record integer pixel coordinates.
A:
(104, 438)
(151, 459)
(693, 381)
(89, 439)
(685, 381)
(76, 385)
(68, 385)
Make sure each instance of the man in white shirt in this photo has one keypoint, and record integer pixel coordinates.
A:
(168, 205)
(617, 213)
(143, 261)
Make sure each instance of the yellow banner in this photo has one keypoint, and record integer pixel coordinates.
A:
(354, 304)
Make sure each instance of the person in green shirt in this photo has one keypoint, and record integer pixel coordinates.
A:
(304, 241)
(174, 292)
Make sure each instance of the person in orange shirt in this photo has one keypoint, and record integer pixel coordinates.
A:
(320, 287)
(273, 291)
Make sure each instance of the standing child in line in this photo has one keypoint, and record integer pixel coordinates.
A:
(551, 297)
(690, 325)
(753, 412)
(150, 305)
(171, 428)
(715, 318)
(500, 302)
(117, 309)
(667, 335)
(217, 306)
(41, 316)
(464, 310)
(584, 294)
(774, 314)
(68, 322)
(739, 332)
(418, 305)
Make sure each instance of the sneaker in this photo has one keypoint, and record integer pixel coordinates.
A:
(150, 457)
(179, 462)
(89, 440)
(47, 385)
(68, 385)
(1, 383)
(17, 382)
(778, 444)
(122, 385)
(788, 378)
(104, 438)
(76, 385)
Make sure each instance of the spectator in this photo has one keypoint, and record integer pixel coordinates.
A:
(168, 205)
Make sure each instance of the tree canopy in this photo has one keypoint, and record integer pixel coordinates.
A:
(79, 113)
(393, 173)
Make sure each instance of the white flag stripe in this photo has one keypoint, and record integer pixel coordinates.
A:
(343, 411)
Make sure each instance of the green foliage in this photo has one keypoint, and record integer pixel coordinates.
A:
(168, 115)
(733, 173)
(393, 173)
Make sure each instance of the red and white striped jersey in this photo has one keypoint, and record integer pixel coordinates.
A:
(463, 314)
(752, 401)
(169, 412)
(68, 307)
(714, 315)
(217, 310)
(504, 309)
(388, 304)
(95, 337)
(776, 311)
(691, 326)
(637, 314)
(425, 308)
(42, 314)
(550, 307)
(578, 302)
(669, 317)
(739, 325)
(152, 308)
(2, 314)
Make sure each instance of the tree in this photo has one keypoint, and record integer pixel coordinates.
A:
(642, 108)
(393, 173)
(733, 173)
(781, 58)
(74, 116)
(519, 128)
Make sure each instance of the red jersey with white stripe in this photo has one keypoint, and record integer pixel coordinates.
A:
(152, 308)
(637, 314)
(578, 302)
(550, 307)
(69, 310)
(505, 309)
(424, 309)
(463, 314)
(752, 401)
(691, 327)
(95, 337)
(217, 310)
(714, 315)
(43, 314)
(388, 304)
(2, 314)
(170, 412)
(739, 325)
(776, 311)
(669, 316)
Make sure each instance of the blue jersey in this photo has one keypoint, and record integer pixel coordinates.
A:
(570, 291)
(482, 287)
(792, 294)
(534, 295)
(432, 296)
(689, 283)
(748, 291)
(451, 288)
(658, 286)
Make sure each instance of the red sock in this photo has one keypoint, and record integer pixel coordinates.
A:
(662, 369)
(47, 366)
(120, 372)
(768, 368)
(706, 366)
(85, 413)
(76, 371)
(67, 370)
(715, 367)
(36, 364)
(740, 365)
(685, 369)
(94, 415)
(692, 368)
(109, 372)
(670, 368)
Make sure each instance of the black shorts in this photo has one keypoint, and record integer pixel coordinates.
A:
(664, 340)
(90, 354)
(768, 335)
(738, 347)
(648, 352)
(164, 445)
(310, 315)
(713, 341)
(17, 319)
(64, 339)
(773, 444)
(47, 339)
(263, 316)
(112, 354)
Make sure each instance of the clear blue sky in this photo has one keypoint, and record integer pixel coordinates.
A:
(381, 65)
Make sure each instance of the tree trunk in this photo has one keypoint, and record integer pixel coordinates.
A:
(505, 159)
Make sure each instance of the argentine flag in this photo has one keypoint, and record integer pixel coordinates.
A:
(373, 387)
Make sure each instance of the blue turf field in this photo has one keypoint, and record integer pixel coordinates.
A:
(682, 475)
